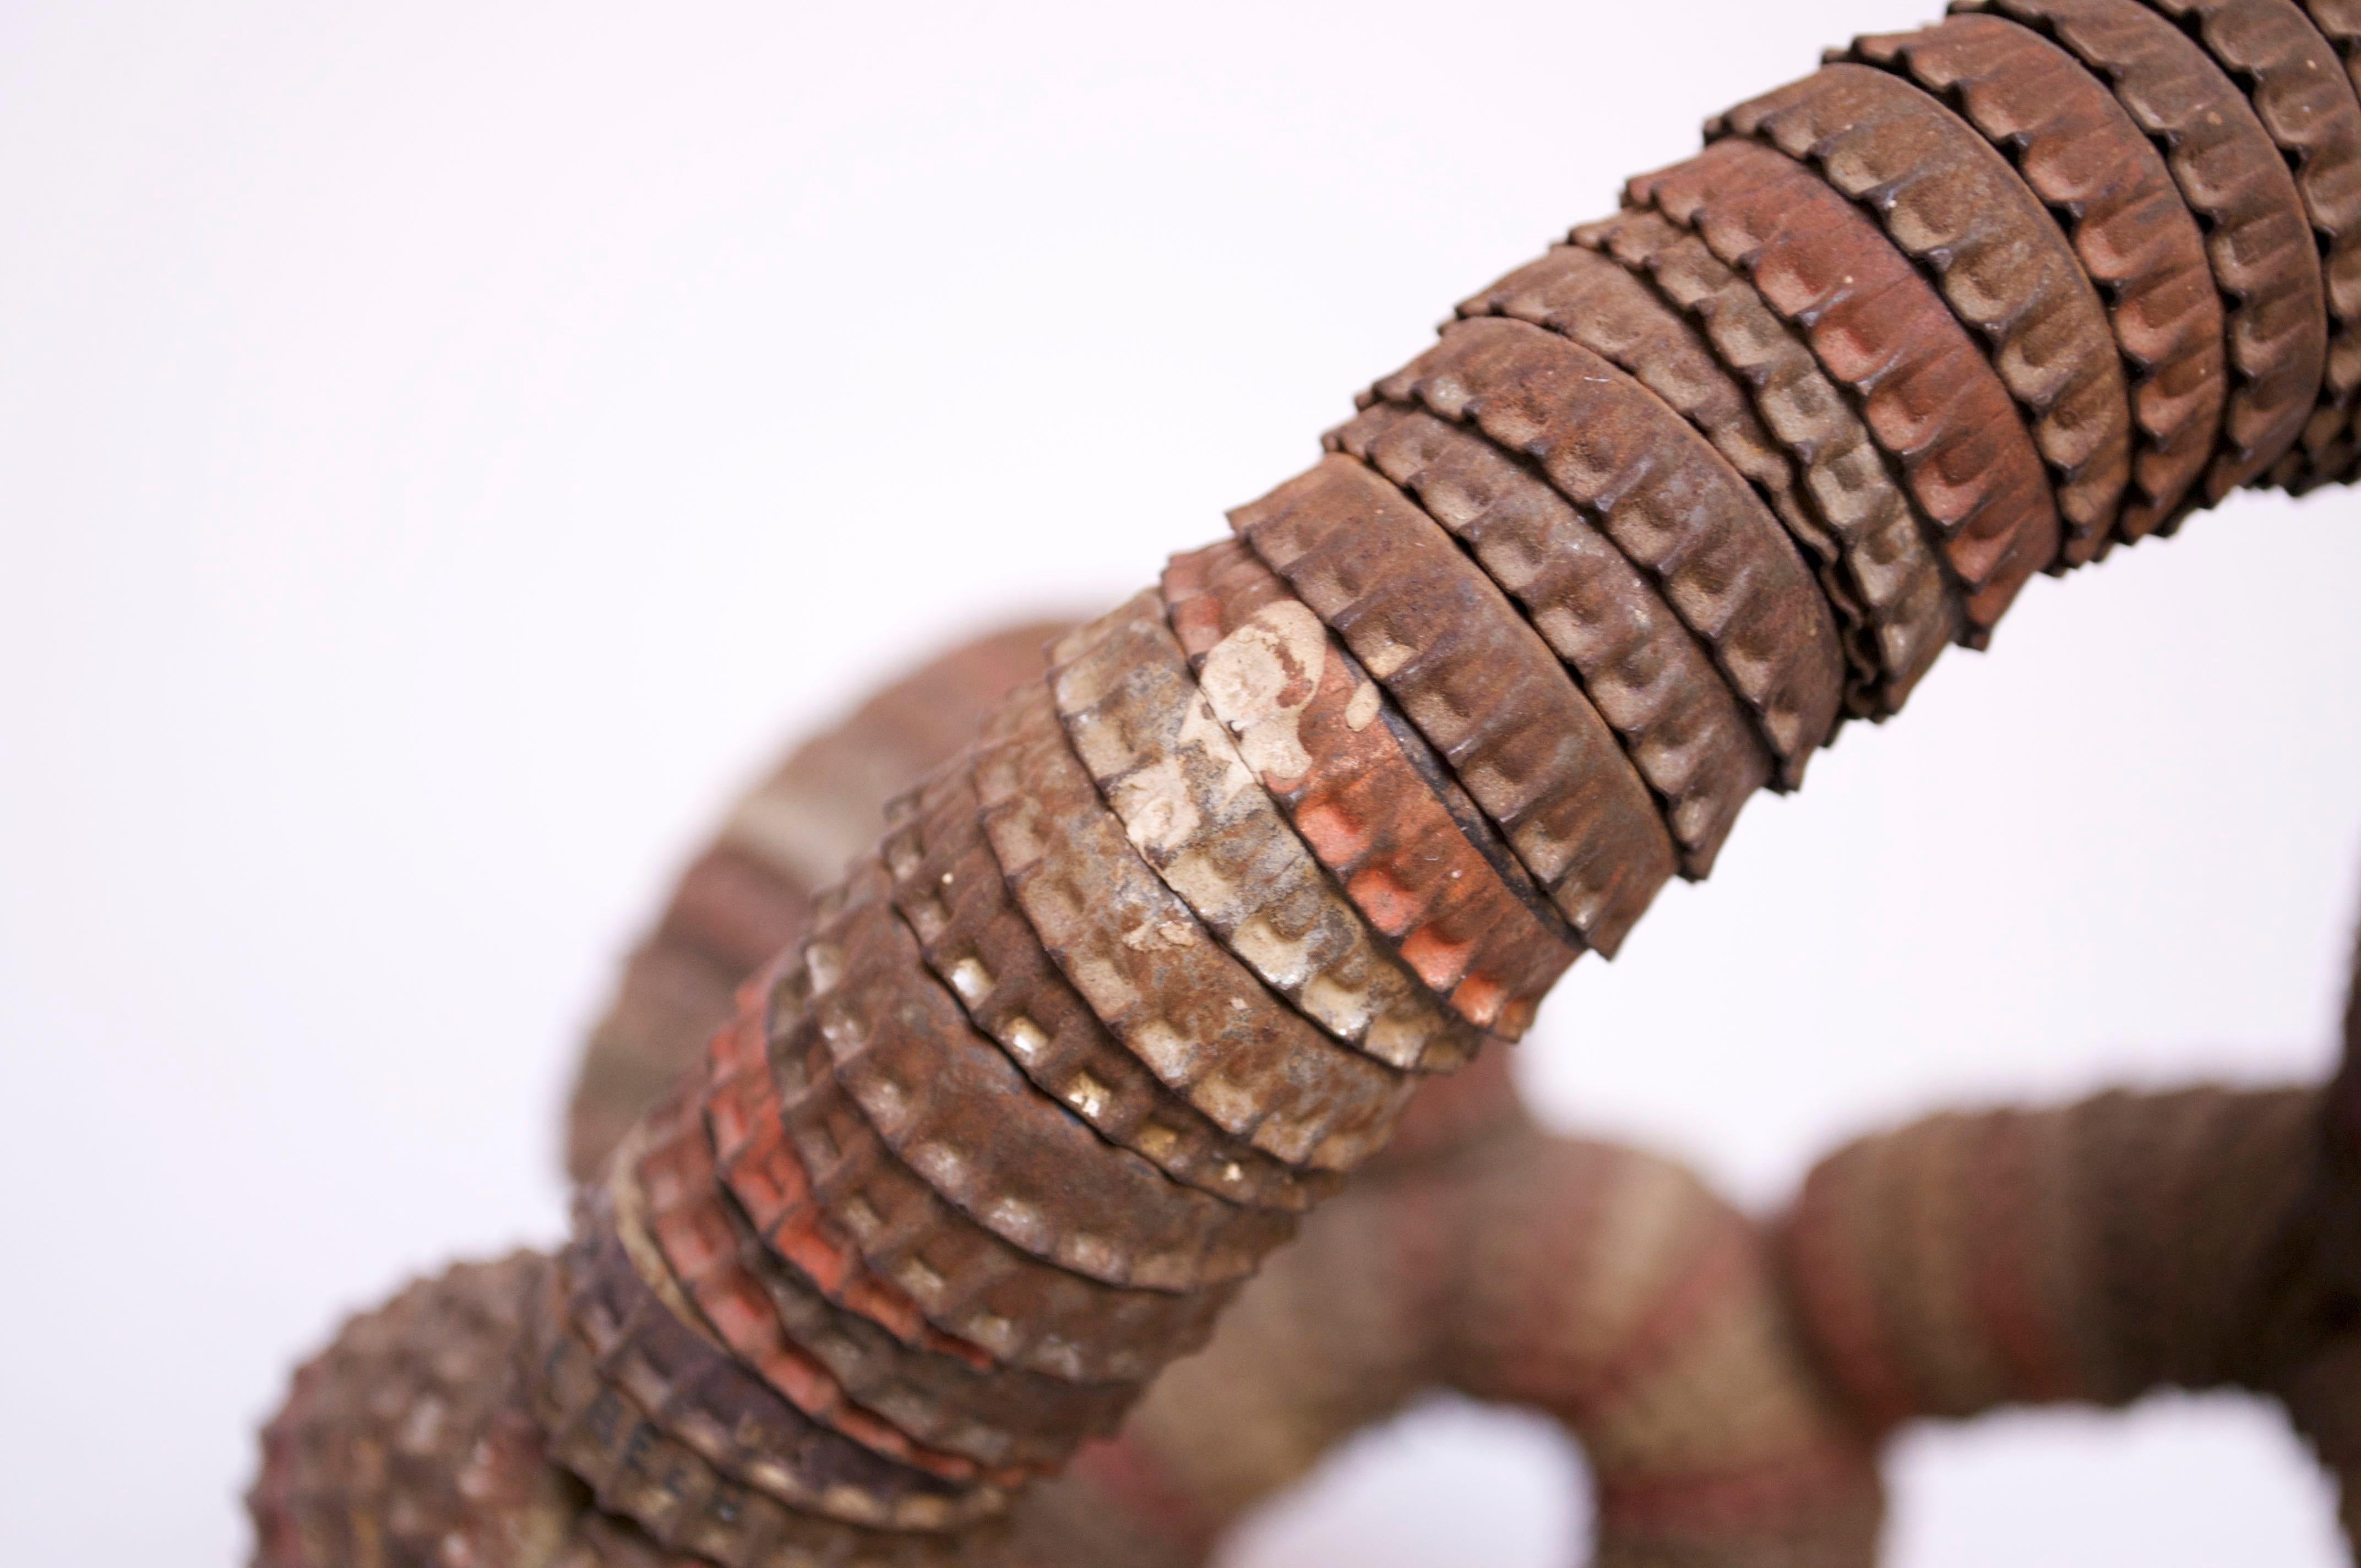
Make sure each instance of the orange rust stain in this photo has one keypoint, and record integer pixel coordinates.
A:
(1439, 962)
(1335, 837)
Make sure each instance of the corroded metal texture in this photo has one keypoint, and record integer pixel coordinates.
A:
(351, 1473)
(1927, 392)
(1609, 309)
(1478, 684)
(2090, 1252)
(1158, 978)
(1599, 1285)
(903, 1059)
(748, 893)
(1418, 859)
(636, 1470)
(1220, 896)
(651, 1350)
(967, 1277)
(1646, 673)
(2300, 90)
(2079, 151)
(2339, 21)
(952, 1399)
(665, 1173)
(1670, 502)
(1896, 574)
(768, 1183)
(1194, 811)
(1953, 205)
(2232, 179)
(949, 888)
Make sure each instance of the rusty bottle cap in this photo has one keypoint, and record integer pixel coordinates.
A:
(2107, 185)
(1952, 204)
(1477, 682)
(649, 1343)
(748, 894)
(1375, 804)
(1898, 578)
(820, 810)
(1667, 499)
(2339, 21)
(669, 1176)
(949, 888)
(1649, 677)
(954, 1110)
(1196, 812)
(639, 1472)
(1607, 308)
(2300, 90)
(2231, 175)
(970, 1281)
(1202, 1022)
(410, 1437)
(965, 1404)
(1927, 393)
(766, 1178)
(949, 1302)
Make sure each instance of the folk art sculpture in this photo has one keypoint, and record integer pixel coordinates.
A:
(975, 1192)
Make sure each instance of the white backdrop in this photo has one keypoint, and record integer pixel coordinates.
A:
(443, 447)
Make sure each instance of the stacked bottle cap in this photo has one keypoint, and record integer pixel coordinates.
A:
(1141, 973)
(1136, 978)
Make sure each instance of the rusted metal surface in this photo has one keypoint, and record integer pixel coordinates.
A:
(1613, 311)
(969, 1280)
(996, 1414)
(2298, 86)
(1417, 858)
(883, 1040)
(639, 1472)
(956, 1399)
(971, 1297)
(1667, 499)
(2232, 178)
(2339, 21)
(1885, 556)
(1477, 682)
(1954, 205)
(2079, 151)
(2092, 1252)
(766, 1178)
(675, 989)
(1196, 812)
(2341, 25)
(749, 892)
(670, 1170)
(602, 1541)
(350, 1474)
(1648, 674)
(948, 889)
(1136, 981)
(648, 1347)
(1927, 392)
(1199, 1019)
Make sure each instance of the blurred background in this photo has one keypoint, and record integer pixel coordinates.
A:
(446, 449)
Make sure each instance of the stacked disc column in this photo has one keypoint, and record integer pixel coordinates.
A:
(1138, 977)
